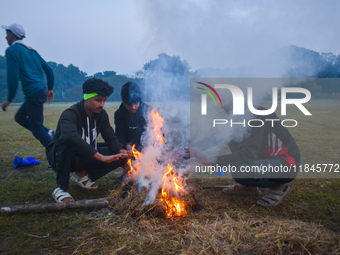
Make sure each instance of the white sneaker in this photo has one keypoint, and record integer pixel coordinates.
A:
(51, 133)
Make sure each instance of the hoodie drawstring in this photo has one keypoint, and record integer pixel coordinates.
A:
(94, 133)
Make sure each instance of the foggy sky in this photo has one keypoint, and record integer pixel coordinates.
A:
(124, 35)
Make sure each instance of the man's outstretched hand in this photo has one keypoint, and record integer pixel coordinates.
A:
(110, 158)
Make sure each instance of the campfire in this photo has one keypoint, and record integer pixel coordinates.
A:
(154, 170)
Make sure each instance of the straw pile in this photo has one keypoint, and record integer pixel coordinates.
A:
(216, 229)
(129, 201)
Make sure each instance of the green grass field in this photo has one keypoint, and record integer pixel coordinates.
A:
(307, 222)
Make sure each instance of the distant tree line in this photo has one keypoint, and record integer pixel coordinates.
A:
(68, 82)
(305, 63)
(301, 63)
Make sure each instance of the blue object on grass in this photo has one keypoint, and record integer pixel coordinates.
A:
(220, 172)
(20, 162)
(33, 160)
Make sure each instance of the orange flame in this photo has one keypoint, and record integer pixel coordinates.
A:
(132, 170)
(174, 205)
(136, 154)
(157, 121)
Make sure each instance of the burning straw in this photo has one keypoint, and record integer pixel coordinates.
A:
(154, 172)
(130, 202)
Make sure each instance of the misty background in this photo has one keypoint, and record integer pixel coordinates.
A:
(167, 78)
(124, 40)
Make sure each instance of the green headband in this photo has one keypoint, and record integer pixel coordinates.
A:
(88, 96)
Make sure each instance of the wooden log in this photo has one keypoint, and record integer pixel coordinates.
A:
(53, 207)
(212, 187)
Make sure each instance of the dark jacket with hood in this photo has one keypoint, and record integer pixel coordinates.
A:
(270, 140)
(81, 132)
(129, 130)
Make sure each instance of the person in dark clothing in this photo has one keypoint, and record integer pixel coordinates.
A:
(264, 158)
(74, 146)
(25, 64)
(129, 118)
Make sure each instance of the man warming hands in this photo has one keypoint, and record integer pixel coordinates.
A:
(74, 147)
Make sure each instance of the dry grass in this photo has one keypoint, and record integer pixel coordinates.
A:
(219, 227)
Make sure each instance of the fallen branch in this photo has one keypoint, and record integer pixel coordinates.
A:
(52, 207)
(212, 187)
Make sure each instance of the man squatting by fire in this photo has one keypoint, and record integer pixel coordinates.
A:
(130, 122)
(74, 147)
(269, 146)
(129, 118)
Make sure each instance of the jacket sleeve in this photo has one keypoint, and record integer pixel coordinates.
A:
(119, 124)
(247, 151)
(108, 134)
(68, 126)
(12, 74)
(49, 74)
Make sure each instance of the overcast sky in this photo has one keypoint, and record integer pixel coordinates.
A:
(122, 35)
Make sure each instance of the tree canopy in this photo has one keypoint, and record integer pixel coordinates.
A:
(174, 72)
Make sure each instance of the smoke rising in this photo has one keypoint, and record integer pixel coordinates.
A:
(228, 39)
(168, 126)
(238, 34)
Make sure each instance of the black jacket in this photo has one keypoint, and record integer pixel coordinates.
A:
(262, 142)
(81, 132)
(129, 130)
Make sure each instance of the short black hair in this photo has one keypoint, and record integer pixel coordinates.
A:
(131, 93)
(99, 86)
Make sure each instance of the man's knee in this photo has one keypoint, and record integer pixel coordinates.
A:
(19, 119)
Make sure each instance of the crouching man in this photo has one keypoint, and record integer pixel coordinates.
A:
(130, 117)
(74, 147)
(266, 157)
